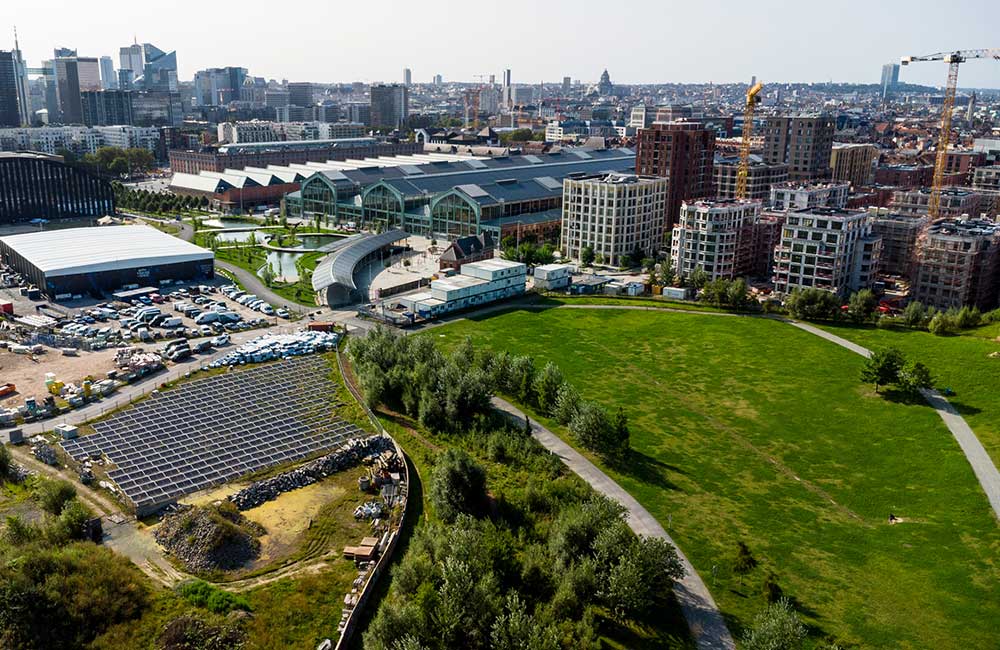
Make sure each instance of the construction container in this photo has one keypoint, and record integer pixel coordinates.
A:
(67, 431)
(69, 352)
(321, 326)
(6, 307)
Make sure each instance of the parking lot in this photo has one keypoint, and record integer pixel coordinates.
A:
(86, 334)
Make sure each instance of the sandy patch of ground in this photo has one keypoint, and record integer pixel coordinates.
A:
(289, 516)
(29, 376)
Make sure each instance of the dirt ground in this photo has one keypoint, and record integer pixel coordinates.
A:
(29, 376)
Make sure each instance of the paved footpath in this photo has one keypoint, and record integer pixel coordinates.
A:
(982, 464)
(702, 614)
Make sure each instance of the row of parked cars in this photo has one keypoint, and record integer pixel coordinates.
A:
(251, 301)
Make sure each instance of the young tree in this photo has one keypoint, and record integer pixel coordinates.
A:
(5, 462)
(547, 385)
(621, 437)
(592, 428)
(567, 403)
(861, 306)
(914, 314)
(737, 292)
(776, 628)
(587, 256)
(882, 368)
(458, 486)
(942, 324)
(771, 589)
(698, 278)
(913, 376)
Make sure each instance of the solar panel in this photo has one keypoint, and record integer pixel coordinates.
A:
(218, 428)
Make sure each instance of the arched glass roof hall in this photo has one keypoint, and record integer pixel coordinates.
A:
(333, 278)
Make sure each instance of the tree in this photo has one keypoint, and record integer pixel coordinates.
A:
(942, 324)
(913, 376)
(776, 628)
(5, 462)
(745, 562)
(53, 494)
(914, 314)
(861, 306)
(547, 385)
(593, 429)
(771, 589)
(813, 304)
(736, 294)
(567, 403)
(621, 437)
(882, 368)
(642, 577)
(698, 278)
(587, 256)
(73, 519)
(458, 486)
(668, 276)
(968, 317)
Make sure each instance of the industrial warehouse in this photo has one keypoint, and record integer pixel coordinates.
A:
(81, 261)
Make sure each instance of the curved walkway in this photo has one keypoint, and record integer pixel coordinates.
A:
(982, 465)
(700, 611)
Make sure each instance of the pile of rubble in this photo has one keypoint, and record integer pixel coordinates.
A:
(44, 453)
(211, 538)
(347, 455)
(370, 510)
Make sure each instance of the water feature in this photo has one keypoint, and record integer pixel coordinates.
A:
(230, 223)
(283, 265)
(310, 242)
(239, 236)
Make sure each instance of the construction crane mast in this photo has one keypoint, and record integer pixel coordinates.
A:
(744, 169)
(953, 59)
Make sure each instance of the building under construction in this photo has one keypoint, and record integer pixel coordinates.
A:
(958, 263)
(899, 234)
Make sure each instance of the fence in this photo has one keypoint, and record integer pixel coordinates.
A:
(383, 562)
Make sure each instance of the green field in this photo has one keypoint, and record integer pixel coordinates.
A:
(961, 363)
(749, 429)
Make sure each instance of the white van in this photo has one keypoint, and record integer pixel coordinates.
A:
(206, 317)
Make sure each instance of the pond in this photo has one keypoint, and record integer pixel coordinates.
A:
(311, 242)
(239, 236)
(230, 223)
(283, 265)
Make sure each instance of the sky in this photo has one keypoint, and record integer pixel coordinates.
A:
(638, 41)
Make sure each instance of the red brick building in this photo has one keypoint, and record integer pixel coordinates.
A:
(682, 152)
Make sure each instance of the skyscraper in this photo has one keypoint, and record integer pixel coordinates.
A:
(390, 105)
(67, 77)
(681, 152)
(507, 97)
(109, 78)
(218, 86)
(21, 83)
(9, 112)
(407, 77)
(159, 71)
(130, 58)
(300, 93)
(890, 79)
(566, 85)
(804, 141)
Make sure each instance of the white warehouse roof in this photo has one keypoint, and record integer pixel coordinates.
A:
(105, 248)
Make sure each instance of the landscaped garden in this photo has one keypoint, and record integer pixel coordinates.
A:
(749, 430)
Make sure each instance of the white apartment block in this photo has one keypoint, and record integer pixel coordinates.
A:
(614, 214)
(78, 139)
(796, 195)
(244, 132)
(130, 137)
(713, 236)
(827, 248)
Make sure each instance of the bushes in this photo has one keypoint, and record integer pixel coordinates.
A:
(776, 628)
(201, 594)
(813, 304)
(890, 366)
(458, 486)
(52, 495)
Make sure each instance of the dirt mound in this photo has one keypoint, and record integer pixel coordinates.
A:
(210, 538)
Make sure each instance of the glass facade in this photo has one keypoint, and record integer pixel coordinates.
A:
(455, 216)
(382, 207)
(33, 186)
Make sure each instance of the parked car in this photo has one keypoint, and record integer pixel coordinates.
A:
(282, 313)
(220, 340)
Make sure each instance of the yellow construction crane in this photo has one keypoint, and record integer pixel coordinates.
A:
(953, 59)
(744, 169)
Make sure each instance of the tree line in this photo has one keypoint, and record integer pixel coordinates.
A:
(156, 202)
(518, 553)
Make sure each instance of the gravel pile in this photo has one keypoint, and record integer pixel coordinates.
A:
(348, 455)
(212, 538)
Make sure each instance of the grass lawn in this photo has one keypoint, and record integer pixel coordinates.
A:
(749, 429)
(961, 363)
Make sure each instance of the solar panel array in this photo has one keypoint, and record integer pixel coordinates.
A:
(217, 429)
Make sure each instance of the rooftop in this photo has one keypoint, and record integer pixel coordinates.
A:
(965, 228)
(105, 248)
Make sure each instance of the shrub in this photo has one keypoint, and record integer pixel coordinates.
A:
(52, 495)
(776, 628)
(201, 594)
(942, 324)
(458, 486)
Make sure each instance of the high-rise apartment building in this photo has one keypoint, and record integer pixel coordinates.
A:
(300, 93)
(854, 163)
(681, 152)
(109, 78)
(615, 215)
(899, 235)
(798, 196)
(714, 236)
(826, 248)
(10, 114)
(958, 264)
(987, 178)
(890, 79)
(567, 85)
(390, 105)
(803, 142)
(955, 202)
(439, 80)
(407, 77)
(507, 91)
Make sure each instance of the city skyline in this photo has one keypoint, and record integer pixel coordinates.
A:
(766, 40)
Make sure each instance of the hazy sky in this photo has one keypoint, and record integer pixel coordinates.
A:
(638, 41)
